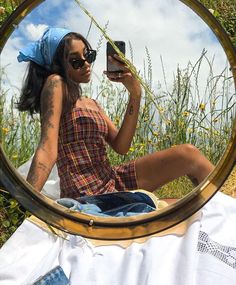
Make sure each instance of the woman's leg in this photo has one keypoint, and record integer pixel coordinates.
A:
(156, 169)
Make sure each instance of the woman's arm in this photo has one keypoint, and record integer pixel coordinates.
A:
(121, 140)
(46, 153)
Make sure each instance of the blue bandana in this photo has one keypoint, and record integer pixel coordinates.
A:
(43, 50)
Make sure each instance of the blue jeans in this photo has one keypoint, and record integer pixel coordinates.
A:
(54, 277)
(118, 204)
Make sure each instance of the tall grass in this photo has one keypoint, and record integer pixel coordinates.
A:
(19, 132)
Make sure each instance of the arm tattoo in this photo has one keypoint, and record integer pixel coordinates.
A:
(47, 109)
(32, 176)
(44, 168)
(131, 110)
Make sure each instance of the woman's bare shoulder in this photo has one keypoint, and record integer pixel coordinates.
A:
(54, 78)
(53, 92)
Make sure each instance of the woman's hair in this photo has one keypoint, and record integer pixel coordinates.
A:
(36, 76)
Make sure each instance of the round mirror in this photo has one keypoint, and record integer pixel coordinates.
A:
(187, 66)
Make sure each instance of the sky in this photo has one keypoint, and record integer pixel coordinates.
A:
(166, 28)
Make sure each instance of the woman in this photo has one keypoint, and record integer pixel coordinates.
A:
(75, 130)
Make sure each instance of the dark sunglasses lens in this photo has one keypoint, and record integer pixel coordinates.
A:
(77, 63)
(91, 56)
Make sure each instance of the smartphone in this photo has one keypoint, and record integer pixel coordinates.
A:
(112, 67)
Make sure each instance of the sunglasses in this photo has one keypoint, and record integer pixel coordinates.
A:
(90, 57)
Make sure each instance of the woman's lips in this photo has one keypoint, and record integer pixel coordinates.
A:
(86, 73)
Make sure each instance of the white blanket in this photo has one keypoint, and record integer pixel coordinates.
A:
(204, 255)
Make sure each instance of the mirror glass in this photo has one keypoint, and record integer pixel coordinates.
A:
(174, 51)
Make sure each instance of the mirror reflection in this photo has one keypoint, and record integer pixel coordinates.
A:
(109, 135)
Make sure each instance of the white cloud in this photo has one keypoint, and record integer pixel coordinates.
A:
(34, 32)
(13, 70)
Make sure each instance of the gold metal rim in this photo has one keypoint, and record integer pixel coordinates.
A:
(119, 228)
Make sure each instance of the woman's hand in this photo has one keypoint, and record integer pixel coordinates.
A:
(126, 77)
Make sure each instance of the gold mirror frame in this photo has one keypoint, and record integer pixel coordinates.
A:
(129, 227)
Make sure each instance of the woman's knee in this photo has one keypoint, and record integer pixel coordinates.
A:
(188, 152)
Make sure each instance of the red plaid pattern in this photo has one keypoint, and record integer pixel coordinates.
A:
(83, 166)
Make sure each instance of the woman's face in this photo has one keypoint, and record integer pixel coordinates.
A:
(78, 51)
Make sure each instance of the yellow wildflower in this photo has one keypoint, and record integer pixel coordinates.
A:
(5, 130)
(2, 10)
(117, 120)
(131, 149)
(216, 133)
(185, 113)
(155, 134)
(202, 107)
(161, 110)
(15, 156)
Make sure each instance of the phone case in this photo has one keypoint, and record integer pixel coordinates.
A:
(111, 51)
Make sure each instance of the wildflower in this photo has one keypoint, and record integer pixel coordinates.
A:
(185, 113)
(155, 134)
(161, 110)
(117, 120)
(2, 10)
(216, 133)
(5, 130)
(14, 156)
(202, 107)
(131, 149)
